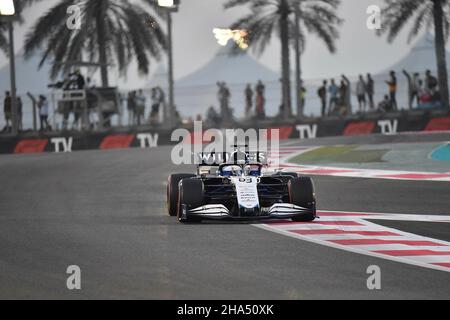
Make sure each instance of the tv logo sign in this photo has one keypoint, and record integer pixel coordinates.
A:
(388, 127)
(148, 140)
(62, 144)
(307, 131)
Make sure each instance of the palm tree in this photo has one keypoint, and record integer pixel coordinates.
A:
(20, 5)
(423, 13)
(112, 31)
(318, 17)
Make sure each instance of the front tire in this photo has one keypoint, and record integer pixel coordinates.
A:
(302, 194)
(172, 192)
(190, 195)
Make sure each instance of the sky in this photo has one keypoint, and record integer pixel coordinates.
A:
(359, 49)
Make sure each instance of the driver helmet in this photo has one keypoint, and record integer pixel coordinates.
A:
(232, 171)
(252, 170)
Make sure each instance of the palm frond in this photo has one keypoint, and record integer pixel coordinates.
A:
(128, 31)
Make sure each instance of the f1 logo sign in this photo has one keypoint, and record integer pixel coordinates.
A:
(148, 140)
(66, 144)
(307, 131)
(388, 127)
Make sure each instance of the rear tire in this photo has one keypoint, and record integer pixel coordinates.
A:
(172, 192)
(191, 195)
(302, 194)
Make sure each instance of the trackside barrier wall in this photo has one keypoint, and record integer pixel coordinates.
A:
(382, 124)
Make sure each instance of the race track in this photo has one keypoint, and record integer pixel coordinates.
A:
(105, 212)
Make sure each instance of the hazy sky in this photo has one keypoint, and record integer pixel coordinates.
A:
(359, 49)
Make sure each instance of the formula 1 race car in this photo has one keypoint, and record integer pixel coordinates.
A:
(239, 190)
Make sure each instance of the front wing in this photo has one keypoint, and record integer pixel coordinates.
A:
(220, 212)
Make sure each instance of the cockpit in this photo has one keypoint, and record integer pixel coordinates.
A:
(233, 170)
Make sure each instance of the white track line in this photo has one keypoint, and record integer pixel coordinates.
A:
(286, 153)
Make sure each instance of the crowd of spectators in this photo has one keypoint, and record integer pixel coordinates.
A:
(137, 106)
(424, 92)
(7, 111)
(336, 100)
(255, 102)
(335, 97)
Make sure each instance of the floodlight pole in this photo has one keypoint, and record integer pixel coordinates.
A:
(298, 75)
(170, 6)
(172, 107)
(8, 16)
(12, 65)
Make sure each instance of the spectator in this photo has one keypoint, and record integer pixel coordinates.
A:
(131, 105)
(343, 91)
(19, 113)
(431, 86)
(260, 100)
(78, 83)
(333, 90)
(224, 96)
(370, 90)
(423, 95)
(302, 99)
(7, 110)
(431, 82)
(416, 88)
(392, 83)
(64, 108)
(178, 119)
(248, 101)
(79, 80)
(156, 104)
(212, 116)
(220, 97)
(226, 101)
(322, 93)
(43, 113)
(361, 90)
(162, 99)
(347, 102)
(140, 107)
(386, 104)
(412, 87)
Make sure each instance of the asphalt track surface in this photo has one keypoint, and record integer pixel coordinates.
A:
(105, 212)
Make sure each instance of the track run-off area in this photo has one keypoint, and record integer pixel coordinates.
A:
(104, 211)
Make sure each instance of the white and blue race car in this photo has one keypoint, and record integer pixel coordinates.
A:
(239, 190)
